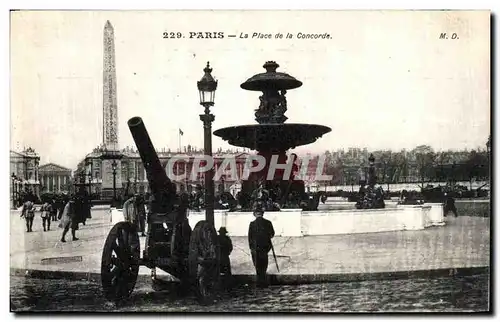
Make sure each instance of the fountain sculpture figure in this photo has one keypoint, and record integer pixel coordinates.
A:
(370, 196)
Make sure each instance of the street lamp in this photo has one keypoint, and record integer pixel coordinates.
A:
(97, 190)
(113, 166)
(371, 171)
(90, 182)
(207, 86)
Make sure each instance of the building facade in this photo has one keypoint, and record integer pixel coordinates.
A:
(55, 178)
(24, 169)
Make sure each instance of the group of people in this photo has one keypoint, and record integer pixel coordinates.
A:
(70, 210)
(260, 234)
(196, 198)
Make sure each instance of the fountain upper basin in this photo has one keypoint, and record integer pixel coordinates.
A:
(265, 137)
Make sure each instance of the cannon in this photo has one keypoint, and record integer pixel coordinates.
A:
(190, 256)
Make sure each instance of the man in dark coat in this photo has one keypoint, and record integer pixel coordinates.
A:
(87, 206)
(260, 233)
(449, 205)
(53, 209)
(226, 247)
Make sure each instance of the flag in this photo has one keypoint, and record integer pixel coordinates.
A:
(180, 132)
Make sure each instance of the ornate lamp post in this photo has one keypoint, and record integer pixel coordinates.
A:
(82, 181)
(372, 180)
(90, 182)
(207, 86)
(114, 164)
(97, 190)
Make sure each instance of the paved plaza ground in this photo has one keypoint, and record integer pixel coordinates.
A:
(463, 243)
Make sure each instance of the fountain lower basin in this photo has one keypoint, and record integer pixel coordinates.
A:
(295, 222)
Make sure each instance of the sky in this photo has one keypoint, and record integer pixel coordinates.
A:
(383, 81)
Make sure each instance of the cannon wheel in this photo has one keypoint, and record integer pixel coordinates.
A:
(120, 261)
(204, 261)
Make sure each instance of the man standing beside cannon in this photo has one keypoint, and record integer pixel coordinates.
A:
(260, 233)
(130, 210)
(141, 214)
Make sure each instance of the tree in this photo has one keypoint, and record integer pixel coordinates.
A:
(443, 159)
(425, 157)
(476, 166)
(400, 166)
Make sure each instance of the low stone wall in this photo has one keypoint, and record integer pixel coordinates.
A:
(295, 222)
(348, 205)
(364, 221)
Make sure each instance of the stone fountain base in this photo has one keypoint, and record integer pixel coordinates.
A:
(295, 222)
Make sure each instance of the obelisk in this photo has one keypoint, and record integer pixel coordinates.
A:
(109, 103)
(110, 181)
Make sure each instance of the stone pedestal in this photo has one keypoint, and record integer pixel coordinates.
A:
(436, 214)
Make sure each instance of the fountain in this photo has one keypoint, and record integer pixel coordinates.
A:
(272, 136)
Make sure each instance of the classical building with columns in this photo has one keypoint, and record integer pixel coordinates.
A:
(24, 167)
(55, 178)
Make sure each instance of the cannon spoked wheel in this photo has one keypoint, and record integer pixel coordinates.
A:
(120, 261)
(204, 261)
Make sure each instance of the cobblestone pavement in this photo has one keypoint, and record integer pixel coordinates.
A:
(448, 294)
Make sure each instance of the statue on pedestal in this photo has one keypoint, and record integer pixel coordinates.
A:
(370, 195)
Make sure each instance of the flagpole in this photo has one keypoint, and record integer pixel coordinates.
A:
(179, 133)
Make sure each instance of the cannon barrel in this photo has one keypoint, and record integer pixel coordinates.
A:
(160, 185)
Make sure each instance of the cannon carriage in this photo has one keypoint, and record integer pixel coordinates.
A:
(191, 256)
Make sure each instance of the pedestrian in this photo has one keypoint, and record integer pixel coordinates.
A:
(69, 220)
(190, 194)
(183, 203)
(199, 198)
(226, 247)
(86, 207)
(46, 211)
(53, 210)
(148, 202)
(130, 210)
(61, 203)
(450, 205)
(28, 213)
(141, 214)
(260, 233)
